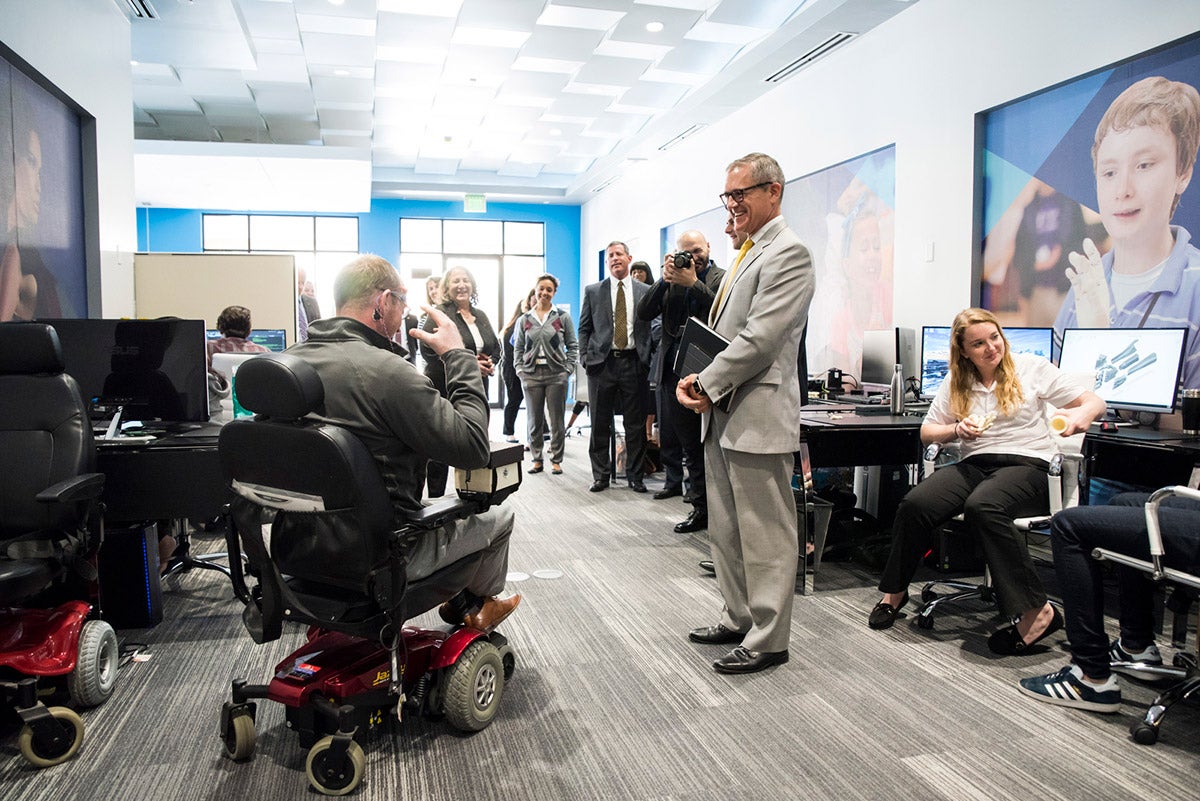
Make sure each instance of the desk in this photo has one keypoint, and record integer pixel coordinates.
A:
(174, 476)
(844, 439)
(1139, 456)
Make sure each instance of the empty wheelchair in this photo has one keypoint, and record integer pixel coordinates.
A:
(336, 563)
(50, 527)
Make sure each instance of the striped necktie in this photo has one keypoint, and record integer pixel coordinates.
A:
(620, 320)
(728, 282)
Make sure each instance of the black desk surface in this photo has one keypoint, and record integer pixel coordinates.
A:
(1141, 457)
(842, 439)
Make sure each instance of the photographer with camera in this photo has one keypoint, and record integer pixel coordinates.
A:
(686, 289)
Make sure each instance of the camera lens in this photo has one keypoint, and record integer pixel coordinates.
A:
(683, 260)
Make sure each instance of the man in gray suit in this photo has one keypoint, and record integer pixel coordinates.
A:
(617, 360)
(749, 436)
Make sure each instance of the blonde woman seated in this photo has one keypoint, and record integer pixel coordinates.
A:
(995, 403)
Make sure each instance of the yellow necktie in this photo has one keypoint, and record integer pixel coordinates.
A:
(620, 320)
(728, 282)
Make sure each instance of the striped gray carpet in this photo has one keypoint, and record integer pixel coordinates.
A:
(610, 701)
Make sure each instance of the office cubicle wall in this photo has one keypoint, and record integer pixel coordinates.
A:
(200, 285)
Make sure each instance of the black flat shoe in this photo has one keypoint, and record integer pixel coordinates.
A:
(1007, 642)
(743, 660)
(884, 615)
(715, 635)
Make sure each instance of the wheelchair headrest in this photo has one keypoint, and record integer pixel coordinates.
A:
(29, 349)
(279, 385)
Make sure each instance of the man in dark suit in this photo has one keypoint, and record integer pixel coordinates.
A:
(614, 348)
(686, 289)
(761, 307)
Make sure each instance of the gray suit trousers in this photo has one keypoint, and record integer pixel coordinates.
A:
(754, 538)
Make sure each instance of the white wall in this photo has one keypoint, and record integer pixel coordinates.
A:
(82, 47)
(917, 81)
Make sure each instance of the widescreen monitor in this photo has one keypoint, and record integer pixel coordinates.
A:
(882, 350)
(155, 369)
(273, 339)
(1137, 369)
(935, 351)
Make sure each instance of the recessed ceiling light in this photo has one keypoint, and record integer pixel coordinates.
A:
(654, 27)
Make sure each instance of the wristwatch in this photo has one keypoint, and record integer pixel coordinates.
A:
(699, 390)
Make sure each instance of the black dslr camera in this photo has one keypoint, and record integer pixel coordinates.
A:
(683, 260)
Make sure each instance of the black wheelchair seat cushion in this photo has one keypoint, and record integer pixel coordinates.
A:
(22, 578)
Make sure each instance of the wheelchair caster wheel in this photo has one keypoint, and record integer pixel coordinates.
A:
(928, 595)
(925, 622)
(987, 595)
(53, 746)
(1143, 733)
(329, 778)
(240, 737)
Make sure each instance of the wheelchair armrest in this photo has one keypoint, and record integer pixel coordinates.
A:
(437, 513)
(83, 487)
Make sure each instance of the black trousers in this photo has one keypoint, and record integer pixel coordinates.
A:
(514, 394)
(679, 435)
(989, 491)
(618, 388)
(1120, 527)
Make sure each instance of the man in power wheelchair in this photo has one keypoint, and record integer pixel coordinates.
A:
(336, 455)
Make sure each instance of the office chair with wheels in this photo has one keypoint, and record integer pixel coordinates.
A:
(1063, 478)
(1186, 667)
(336, 563)
(50, 528)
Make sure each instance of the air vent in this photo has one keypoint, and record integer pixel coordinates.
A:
(671, 143)
(138, 9)
(823, 49)
(607, 184)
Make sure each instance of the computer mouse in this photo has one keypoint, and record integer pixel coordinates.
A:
(1108, 426)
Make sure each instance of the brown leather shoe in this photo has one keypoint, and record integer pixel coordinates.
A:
(494, 611)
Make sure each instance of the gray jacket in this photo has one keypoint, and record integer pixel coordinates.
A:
(396, 411)
(553, 340)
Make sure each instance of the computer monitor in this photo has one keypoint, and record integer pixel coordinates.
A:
(1137, 369)
(155, 369)
(935, 351)
(882, 350)
(273, 339)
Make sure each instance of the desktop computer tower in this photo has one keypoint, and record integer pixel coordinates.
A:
(130, 590)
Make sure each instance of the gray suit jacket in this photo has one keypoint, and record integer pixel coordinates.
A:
(596, 325)
(762, 313)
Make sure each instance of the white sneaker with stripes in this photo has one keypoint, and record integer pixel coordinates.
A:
(1068, 688)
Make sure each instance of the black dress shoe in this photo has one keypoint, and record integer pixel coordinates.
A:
(1007, 641)
(743, 660)
(707, 565)
(884, 615)
(599, 485)
(696, 521)
(715, 635)
(668, 492)
(637, 486)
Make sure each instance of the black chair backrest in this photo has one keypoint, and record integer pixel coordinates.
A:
(45, 431)
(288, 453)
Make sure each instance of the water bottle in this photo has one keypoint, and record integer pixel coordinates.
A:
(898, 390)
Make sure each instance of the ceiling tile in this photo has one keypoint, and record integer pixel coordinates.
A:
(676, 22)
(765, 14)
(192, 127)
(363, 9)
(269, 19)
(510, 15)
(571, 104)
(561, 43)
(284, 99)
(435, 166)
(400, 74)
(699, 57)
(154, 75)
(612, 71)
(569, 16)
(348, 140)
(243, 133)
(231, 113)
(334, 120)
(524, 82)
(164, 98)
(614, 124)
(329, 88)
(279, 68)
(287, 47)
(442, 8)
(293, 131)
(412, 29)
(569, 165)
(347, 26)
(518, 169)
(331, 48)
(651, 94)
(212, 82)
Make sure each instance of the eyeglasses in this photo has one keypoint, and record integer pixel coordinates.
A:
(738, 195)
